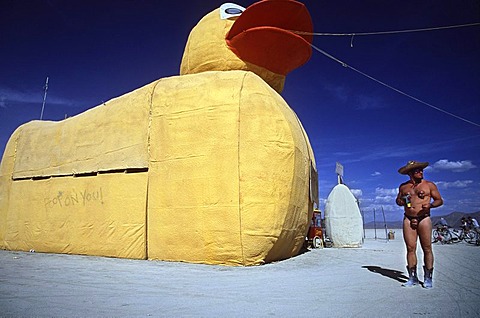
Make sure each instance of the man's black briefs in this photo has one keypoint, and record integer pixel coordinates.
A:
(418, 218)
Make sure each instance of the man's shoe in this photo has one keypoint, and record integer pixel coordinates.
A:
(428, 273)
(412, 277)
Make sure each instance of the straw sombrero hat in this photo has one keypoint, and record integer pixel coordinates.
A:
(412, 165)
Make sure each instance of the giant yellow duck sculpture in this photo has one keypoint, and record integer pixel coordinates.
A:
(211, 166)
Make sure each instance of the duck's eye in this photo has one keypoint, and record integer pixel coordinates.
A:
(233, 11)
(230, 10)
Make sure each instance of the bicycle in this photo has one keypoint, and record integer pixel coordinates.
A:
(443, 235)
(457, 235)
(471, 236)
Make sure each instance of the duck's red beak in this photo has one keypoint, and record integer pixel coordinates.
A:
(262, 35)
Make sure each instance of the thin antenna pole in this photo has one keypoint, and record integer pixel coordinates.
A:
(44, 98)
(385, 223)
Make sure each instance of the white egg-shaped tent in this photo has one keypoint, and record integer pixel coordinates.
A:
(343, 220)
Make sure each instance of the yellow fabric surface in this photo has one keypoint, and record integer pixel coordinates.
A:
(107, 137)
(102, 215)
(228, 180)
(193, 186)
(6, 168)
(207, 50)
(274, 167)
(229, 171)
(223, 169)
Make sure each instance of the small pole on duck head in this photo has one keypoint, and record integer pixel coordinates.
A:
(44, 98)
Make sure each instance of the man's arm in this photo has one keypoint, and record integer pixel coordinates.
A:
(399, 200)
(435, 194)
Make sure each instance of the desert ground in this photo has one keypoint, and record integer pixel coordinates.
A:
(330, 282)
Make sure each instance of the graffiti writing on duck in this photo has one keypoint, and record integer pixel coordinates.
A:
(74, 198)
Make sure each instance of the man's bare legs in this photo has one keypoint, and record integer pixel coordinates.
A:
(425, 234)
(410, 238)
(424, 231)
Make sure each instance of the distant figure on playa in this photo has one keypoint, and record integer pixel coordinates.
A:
(442, 224)
(416, 197)
(464, 225)
(473, 224)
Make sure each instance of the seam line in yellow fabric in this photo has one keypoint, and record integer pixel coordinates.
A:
(82, 174)
(150, 116)
(238, 169)
(15, 152)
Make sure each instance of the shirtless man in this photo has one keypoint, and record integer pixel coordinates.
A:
(416, 197)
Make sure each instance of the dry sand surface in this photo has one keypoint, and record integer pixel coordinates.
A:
(330, 282)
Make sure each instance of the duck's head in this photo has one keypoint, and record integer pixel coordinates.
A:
(260, 38)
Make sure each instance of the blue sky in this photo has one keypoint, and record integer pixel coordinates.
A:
(93, 51)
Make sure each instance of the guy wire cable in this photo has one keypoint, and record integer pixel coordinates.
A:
(391, 87)
(389, 32)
